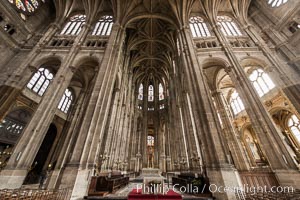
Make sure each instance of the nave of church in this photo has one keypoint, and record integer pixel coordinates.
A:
(100, 96)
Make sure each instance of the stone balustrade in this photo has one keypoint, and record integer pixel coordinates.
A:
(213, 43)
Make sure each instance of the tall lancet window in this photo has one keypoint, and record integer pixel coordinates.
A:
(276, 3)
(161, 92)
(40, 81)
(199, 27)
(294, 125)
(150, 93)
(74, 25)
(65, 102)
(141, 91)
(103, 26)
(228, 26)
(261, 82)
(236, 103)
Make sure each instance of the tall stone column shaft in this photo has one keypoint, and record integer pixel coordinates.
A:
(231, 135)
(217, 165)
(101, 96)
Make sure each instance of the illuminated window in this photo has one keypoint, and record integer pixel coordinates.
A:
(236, 103)
(150, 141)
(40, 81)
(150, 93)
(73, 27)
(261, 82)
(161, 106)
(294, 126)
(276, 3)
(11, 126)
(103, 26)
(27, 5)
(161, 92)
(141, 91)
(198, 27)
(228, 26)
(65, 102)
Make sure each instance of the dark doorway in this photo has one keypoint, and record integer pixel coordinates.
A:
(36, 175)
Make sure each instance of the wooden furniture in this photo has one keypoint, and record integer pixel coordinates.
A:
(101, 185)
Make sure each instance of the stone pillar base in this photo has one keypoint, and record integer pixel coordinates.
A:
(53, 179)
(221, 180)
(288, 178)
(81, 184)
(12, 179)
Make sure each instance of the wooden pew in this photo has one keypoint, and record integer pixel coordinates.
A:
(103, 184)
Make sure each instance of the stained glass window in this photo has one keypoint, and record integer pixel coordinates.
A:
(228, 26)
(150, 93)
(40, 81)
(236, 103)
(27, 5)
(199, 27)
(65, 102)
(261, 82)
(74, 25)
(150, 140)
(103, 26)
(294, 125)
(141, 91)
(276, 3)
(161, 92)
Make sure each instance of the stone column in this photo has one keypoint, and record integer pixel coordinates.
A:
(100, 103)
(232, 137)
(217, 165)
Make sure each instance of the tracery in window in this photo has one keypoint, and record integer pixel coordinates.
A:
(40, 81)
(150, 141)
(150, 93)
(276, 3)
(141, 91)
(294, 125)
(228, 26)
(161, 92)
(261, 82)
(236, 103)
(103, 26)
(198, 27)
(27, 5)
(65, 102)
(73, 27)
